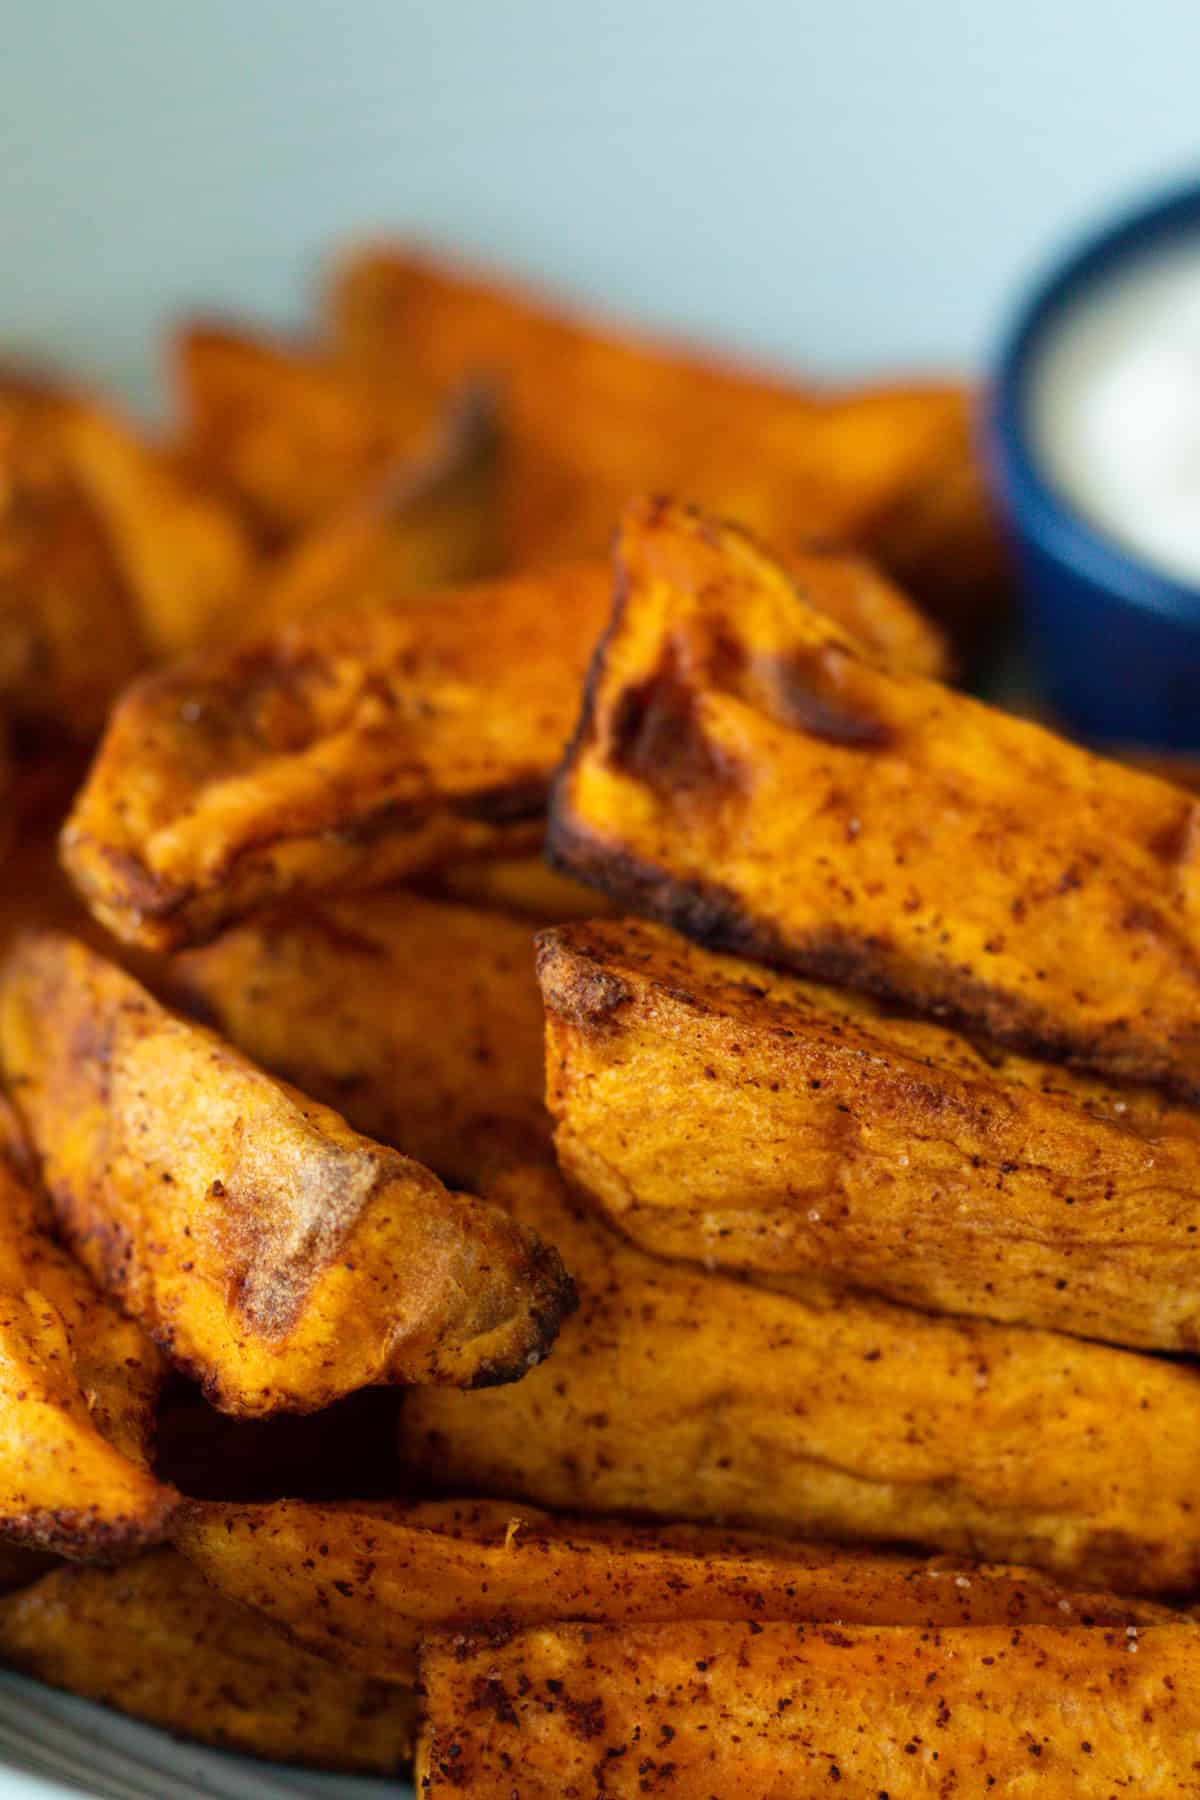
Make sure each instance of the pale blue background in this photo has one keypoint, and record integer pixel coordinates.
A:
(847, 184)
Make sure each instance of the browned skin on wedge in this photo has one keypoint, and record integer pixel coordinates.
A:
(679, 1394)
(595, 413)
(78, 1385)
(420, 1020)
(274, 1254)
(153, 1640)
(361, 1584)
(720, 1711)
(358, 747)
(719, 1111)
(744, 772)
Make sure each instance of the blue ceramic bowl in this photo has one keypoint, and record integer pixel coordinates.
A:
(1115, 645)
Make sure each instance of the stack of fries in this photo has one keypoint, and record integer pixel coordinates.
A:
(596, 1166)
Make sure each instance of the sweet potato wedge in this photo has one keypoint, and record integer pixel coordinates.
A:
(524, 885)
(594, 414)
(153, 1640)
(419, 1020)
(678, 1394)
(363, 745)
(286, 426)
(362, 1584)
(69, 637)
(184, 554)
(426, 521)
(743, 771)
(718, 1710)
(753, 1121)
(78, 1384)
(275, 1255)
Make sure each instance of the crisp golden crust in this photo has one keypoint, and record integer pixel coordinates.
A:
(78, 1385)
(753, 1121)
(360, 746)
(362, 1584)
(594, 414)
(153, 1640)
(680, 1394)
(418, 1019)
(717, 1711)
(272, 1252)
(742, 771)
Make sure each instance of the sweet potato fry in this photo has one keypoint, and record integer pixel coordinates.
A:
(718, 1711)
(185, 556)
(808, 1132)
(69, 638)
(287, 426)
(428, 521)
(273, 1253)
(153, 1640)
(420, 1020)
(78, 1383)
(361, 746)
(525, 885)
(681, 1394)
(361, 1585)
(744, 772)
(593, 415)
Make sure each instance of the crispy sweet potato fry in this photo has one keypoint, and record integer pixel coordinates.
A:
(274, 1254)
(361, 746)
(750, 1120)
(69, 638)
(718, 1711)
(361, 1584)
(185, 557)
(426, 522)
(592, 415)
(153, 1640)
(78, 1383)
(287, 426)
(679, 1394)
(744, 772)
(420, 1020)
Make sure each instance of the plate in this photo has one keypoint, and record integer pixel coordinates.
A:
(55, 1747)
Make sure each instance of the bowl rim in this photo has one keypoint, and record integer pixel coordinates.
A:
(1036, 509)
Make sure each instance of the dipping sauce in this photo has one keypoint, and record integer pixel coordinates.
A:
(1113, 402)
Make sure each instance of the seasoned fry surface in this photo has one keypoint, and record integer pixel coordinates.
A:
(420, 1020)
(78, 1384)
(596, 414)
(360, 1584)
(742, 771)
(679, 1394)
(809, 1132)
(153, 1640)
(273, 1253)
(348, 750)
(718, 1711)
